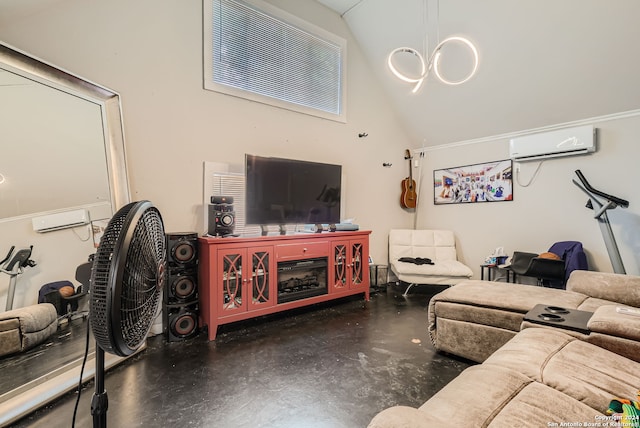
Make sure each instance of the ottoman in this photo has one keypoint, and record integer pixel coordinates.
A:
(22, 329)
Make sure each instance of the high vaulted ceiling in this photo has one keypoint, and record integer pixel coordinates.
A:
(14, 10)
(542, 62)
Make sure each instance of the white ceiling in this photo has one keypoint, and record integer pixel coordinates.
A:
(542, 62)
(340, 6)
(14, 10)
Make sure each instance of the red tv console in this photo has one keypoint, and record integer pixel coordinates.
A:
(246, 277)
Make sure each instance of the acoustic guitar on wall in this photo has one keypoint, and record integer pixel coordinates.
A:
(408, 198)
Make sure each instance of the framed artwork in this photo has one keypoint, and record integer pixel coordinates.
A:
(483, 182)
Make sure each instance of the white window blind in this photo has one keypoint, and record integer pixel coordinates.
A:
(230, 184)
(267, 55)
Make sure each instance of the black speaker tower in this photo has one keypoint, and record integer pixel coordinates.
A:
(180, 320)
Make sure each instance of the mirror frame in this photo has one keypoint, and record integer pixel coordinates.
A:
(27, 398)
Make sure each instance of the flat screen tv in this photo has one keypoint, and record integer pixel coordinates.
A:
(286, 191)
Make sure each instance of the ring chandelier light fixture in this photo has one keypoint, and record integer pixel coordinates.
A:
(433, 63)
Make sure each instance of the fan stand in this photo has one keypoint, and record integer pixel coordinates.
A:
(135, 235)
(99, 401)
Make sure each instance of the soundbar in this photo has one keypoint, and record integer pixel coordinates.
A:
(338, 227)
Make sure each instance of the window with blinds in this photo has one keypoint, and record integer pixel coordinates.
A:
(256, 51)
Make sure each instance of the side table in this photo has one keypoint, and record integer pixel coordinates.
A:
(489, 268)
(378, 275)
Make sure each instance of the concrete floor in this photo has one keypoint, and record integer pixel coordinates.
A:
(333, 365)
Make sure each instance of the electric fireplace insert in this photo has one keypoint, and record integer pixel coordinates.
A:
(301, 279)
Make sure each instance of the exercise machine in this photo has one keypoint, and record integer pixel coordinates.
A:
(14, 267)
(601, 202)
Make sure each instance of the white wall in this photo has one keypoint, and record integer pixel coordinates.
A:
(151, 53)
(552, 208)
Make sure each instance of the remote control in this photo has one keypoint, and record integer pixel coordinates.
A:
(628, 311)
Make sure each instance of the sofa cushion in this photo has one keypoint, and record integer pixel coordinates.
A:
(590, 304)
(616, 332)
(607, 320)
(615, 287)
(444, 268)
(625, 347)
(537, 405)
(494, 317)
(589, 374)
(455, 337)
(403, 417)
(514, 297)
(489, 396)
(436, 245)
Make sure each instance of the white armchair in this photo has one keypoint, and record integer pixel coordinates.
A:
(437, 245)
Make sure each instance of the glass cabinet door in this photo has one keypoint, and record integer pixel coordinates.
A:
(231, 279)
(349, 264)
(340, 263)
(357, 267)
(260, 283)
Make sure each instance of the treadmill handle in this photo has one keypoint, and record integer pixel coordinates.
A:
(8, 255)
(618, 201)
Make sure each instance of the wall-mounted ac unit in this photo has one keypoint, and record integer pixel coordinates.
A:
(562, 142)
(57, 221)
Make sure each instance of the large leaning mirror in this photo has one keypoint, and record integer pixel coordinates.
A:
(62, 154)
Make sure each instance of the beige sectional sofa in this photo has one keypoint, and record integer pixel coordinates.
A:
(531, 375)
(475, 318)
(540, 378)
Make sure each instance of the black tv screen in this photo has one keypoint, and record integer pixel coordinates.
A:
(286, 191)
